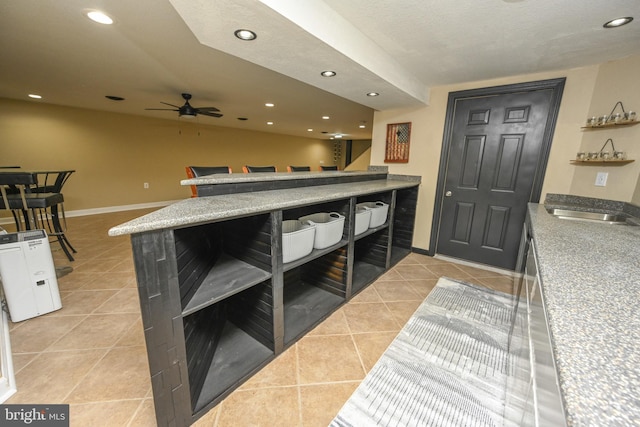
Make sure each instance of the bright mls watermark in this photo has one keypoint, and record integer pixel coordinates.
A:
(34, 415)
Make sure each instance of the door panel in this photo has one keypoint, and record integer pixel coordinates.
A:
(494, 151)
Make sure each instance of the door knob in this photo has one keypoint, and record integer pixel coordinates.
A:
(448, 194)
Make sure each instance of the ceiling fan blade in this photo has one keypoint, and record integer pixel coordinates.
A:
(207, 109)
(210, 114)
(166, 103)
(162, 109)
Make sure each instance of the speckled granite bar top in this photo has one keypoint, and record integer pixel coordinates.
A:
(217, 208)
(235, 178)
(590, 276)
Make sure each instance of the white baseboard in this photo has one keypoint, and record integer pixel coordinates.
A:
(107, 209)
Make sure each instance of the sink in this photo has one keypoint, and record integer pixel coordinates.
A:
(603, 218)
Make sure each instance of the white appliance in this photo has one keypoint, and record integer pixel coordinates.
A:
(28, 274)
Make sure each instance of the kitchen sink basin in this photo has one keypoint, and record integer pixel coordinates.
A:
(603, 218)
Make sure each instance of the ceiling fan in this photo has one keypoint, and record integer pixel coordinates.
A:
(187, 110)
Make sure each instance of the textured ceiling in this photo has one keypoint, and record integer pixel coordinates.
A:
(158, 49)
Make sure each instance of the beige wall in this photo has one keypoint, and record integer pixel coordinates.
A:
(616, 81)
(114, 154)
(588, 89)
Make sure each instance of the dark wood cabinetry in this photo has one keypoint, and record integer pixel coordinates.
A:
(218, 303)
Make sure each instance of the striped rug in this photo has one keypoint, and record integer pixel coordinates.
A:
(449, 366)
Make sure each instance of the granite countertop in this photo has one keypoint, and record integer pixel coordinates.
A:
(590, 276)
(201, 210)
(235, 178)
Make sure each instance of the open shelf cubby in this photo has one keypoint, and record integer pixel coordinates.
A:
(227, 342)
(370, 259)
(218, 260)
(312, 292)
(403, 223)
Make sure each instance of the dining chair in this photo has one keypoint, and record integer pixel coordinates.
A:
(32, 207)
(197, 171)
(328, 168)
(298, 168)
(250, 169)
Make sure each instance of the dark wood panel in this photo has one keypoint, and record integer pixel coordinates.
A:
(479, 117)
(508, 162)
(463, 218)
(472, 153)
(496, 227)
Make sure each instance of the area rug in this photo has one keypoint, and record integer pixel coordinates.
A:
(450, 365)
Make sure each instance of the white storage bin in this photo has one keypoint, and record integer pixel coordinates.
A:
(297, 239)
(379, 211)
(363, 217)
(329, 228)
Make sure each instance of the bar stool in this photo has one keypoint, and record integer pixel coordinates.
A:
(22, 195)
(250, 169)
(196, 171)
(299, 168)
(328, 168)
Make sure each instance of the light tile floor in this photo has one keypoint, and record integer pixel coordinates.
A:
(91, 354)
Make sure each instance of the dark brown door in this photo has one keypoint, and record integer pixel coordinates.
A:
(497, 152)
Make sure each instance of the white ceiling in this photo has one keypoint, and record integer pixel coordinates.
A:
(158, 49)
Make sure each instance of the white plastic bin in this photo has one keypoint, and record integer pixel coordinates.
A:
(363, 217)
(297, 239)
(329, 228)
(379, 211)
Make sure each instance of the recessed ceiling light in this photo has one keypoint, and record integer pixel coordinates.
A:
(34, 96)
(325, 117)
(362, 126)
(338, 135)
(309, 130)
(373, 94)
(114, 98)
(242, 118)
(269, 123)
(328, 73)
(245, 35)
(99, 17)
(618, 22)
(269, 104)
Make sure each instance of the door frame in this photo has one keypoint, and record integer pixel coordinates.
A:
(557, 87)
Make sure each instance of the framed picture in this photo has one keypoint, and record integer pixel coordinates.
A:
(397, 147)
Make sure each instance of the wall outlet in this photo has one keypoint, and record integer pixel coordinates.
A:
(146, 185)
(601, 179)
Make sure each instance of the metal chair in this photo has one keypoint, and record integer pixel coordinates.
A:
(24, 197)
(197, 171)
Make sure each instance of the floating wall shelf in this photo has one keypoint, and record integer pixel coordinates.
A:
(601, 162)
(611, 125)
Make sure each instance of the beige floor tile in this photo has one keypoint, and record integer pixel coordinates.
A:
(39, 333)
(424, 259)
(370, 317)
(134, 336)
(403, 310)
(323, 359)
(448, 270)
(336, 324)
(99, 265)
(414, 272)
(124, 301)
(122, 374)
(82, 302)
(505, 284)
(477, 272)
(391, 274)
(51, 376)
(260, 408)
(74, 281)
(282, 371)
(423, 287)
(145, 416)
(322, 402)
(112, 280)
(396, 290)
(103, 414)
(371, 346)
(20, 360)
(368, 294)
(96, 331)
